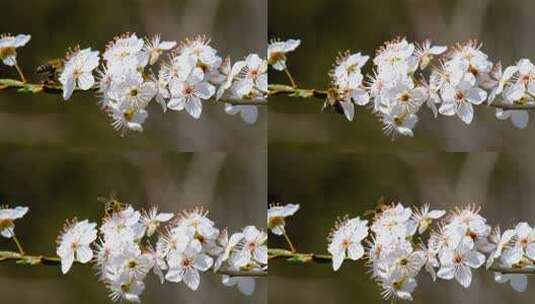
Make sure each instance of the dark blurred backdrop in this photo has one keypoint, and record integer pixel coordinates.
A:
(331, 185)
(328, 27)
(61, 185)
(237, 28)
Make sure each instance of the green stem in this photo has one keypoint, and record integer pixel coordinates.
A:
(19, 246)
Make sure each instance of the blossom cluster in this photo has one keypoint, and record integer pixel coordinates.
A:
(191, 74)
(406, 76)
(130, 244)
(400, 242)
(185, 245)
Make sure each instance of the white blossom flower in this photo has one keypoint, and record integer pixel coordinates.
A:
(133, 89)
(402, 258)
(131, 260)
(457, 263)
(253, 247)
(227, 245)
(431, 262)
(125, 51)
(9, 45)
(78, 71)
(470, 52)
(189, 93)
(524, 244)
(398, 286)
(525, 82)
(397, 121)
(345, 241)
(459, 99)
(175, 241)
(347, 73)
(203, 228)
(395, 222)
(499, 79)
(155, 47)
(252, 80)
(425, 52)
(405, 95)
(123, 224)
(127, 117)
(152, 220)
(501, 241)
(277, 51)
(186, 266)
(424, 217)
(125, 287)
(397, 57)
(7, 218)
(276, 217)
(206, 57)
(74, 244)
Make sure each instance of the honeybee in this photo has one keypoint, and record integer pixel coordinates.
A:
(111, 204)
(50, 70)
(382, 204)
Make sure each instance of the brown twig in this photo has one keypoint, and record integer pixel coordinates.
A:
(35, 260)
(23, 87)
(303, 258)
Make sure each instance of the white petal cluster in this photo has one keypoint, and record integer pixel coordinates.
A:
(78, 71)
(125, 87)
(7, 219)
(347, 79)
(404, 80)
(74, 243)
(397, 252)
(345, 241)
(195, 73)
(514, 86)
(132, 74)
(514, 249)
(184, 248)
(460, 245)
(396, 91)
(394, 259)
(9, 45)
(276, 217)
(277, 51)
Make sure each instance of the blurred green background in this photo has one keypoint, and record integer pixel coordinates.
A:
(59, 185)
(55, 25)
(329, 27)
(331, 185)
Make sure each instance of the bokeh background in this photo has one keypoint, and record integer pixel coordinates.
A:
(331, 185)
(237, 28)
(59, 185)
(328, 27)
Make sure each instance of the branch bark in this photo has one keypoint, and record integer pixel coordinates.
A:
(303, 258)
(279, 89)
(39, 260)
(35, 88)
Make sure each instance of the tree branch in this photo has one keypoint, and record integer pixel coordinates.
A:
(33, 88)
(302, 258)
(280, 89)
(35, 260)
